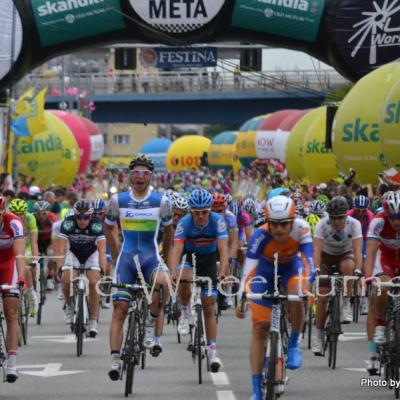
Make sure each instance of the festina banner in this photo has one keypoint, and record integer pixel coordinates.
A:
(172, 57)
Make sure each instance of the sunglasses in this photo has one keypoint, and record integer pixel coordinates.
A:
(82, 217)
(99, 214)
(203, 211)
(283, 223)
(340, 217)
(394, 217)
(42, 214)
(222, 210)
(140, 172)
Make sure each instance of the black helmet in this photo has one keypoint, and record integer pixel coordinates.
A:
(83, 207)
(142, 159)
(337, 207)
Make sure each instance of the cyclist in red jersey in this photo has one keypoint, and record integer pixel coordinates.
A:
(383, 261)
(12, 272)
(45, 220)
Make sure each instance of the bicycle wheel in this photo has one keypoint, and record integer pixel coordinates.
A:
(309, 326)
(142, 323)
(198, 341)
(79, 324)
(130, 352)
(335, 331)
(272, 366)
(21, 322)
(356, 308)
(42, 289)
(26, 319)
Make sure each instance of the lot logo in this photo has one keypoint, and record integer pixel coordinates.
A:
(177, 16)
(377, 29)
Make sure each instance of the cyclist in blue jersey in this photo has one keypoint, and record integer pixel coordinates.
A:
(140, 212)
(201, 233)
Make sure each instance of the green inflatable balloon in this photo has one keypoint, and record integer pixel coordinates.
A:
(390, 122)
(295, 146)
(356, 129)
(316, 154)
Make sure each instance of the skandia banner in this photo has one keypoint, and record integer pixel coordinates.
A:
(366, 32)
(177, 16)
(298, 19)
(67, 20)
(173, 57)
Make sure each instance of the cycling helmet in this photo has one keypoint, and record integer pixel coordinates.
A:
(278, 192)
(317, 207)
(34, 191)
(42, 206)
(70, 213)
(312, 220)
(2, 203)
(18, 206)
(323, 199)
(99, 205)
(143, 160)
(83, 207)
(200, 198)
(249, 206)
(337, 206)
(361, 202)
(260, 219)
(392, 203)
(219, 200)
(280, 208)
(228, 198)
(180, 203)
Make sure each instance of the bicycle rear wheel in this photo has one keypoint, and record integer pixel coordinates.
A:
(79, 324)
(198, 342)
(272, 366)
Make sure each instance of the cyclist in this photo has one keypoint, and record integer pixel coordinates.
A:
(82, 241)
(180, 207)
(19, 208)
(140, 212)
(45, 220)
(316, 211)
(201, 233)
(12, 271)
(289, 237)
(383, 261)
(337, 248)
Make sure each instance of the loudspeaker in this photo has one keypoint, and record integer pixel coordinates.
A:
(125, 58)
(251, 60)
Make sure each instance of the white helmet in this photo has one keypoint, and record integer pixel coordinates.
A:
(392, 203)
(34, 190)
(280, 208)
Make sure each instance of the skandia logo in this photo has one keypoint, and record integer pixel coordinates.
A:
(302, 5)
(316, 147)
(358, 131)
(56, 7)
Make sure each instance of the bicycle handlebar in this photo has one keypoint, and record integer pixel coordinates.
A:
(289, 297)
(8, 287)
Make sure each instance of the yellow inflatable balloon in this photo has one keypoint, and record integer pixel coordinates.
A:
(318, 161)
(186, 152)
(222, 152)
(246, 147)
(71, 155)
(41, 157)
(356, 129)
(390, 122)
(295, 146)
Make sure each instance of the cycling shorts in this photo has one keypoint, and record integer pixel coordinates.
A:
(330, 264)
(261, 280)
(126, 271)
(9, 276)
(384, 266)
(72, 262)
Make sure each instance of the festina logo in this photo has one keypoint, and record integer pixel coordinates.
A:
(377, 29)
(55, 7)
(189, 56)
(177, 9)
(301, 5)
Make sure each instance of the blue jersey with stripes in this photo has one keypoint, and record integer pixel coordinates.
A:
(201, 240)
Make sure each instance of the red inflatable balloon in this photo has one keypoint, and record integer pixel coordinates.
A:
(81, 134)
(96, 140)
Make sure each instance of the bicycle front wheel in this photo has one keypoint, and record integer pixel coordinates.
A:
(272, 366)
(42, 296)
(198, 342)
(335, 331)
(133, 337)
(79, 324)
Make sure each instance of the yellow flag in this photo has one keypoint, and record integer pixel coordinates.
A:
(22, 104)
(35, 120)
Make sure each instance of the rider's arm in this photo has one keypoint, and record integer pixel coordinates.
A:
(112, 235)
(19, 252)
(166, 220)
(233, 243)
(61, 249)
(175, 256)
(223, 256)
(34, 245)
(357, 251)
(369, 263)
(101, 248)
(318, 244)
(167, 241)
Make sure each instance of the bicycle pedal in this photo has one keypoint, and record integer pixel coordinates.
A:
(156, 351)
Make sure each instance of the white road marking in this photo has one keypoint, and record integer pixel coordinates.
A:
(50, 370)
(225, 395)
(71, 338)
(220, 378)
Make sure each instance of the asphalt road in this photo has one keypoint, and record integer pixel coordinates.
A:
(49, 368)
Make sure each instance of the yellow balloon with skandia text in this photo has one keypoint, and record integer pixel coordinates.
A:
(71, 154)
(41, 156)
(319, 162)
(186, 152)
(390, 122)
(356, 128)
(295, 146)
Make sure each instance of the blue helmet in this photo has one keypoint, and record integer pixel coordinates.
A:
(200, 198)
(99, 205)
(361, 202)
(317, 207)
(278, 192)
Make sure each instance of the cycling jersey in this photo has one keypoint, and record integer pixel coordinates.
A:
(202, 240)
(230, 220)
(82, 242)
(243, 221)
(338, 242)
(140, 222)
(45, 229)
(364, 221)
(388, 257)
(30, 223)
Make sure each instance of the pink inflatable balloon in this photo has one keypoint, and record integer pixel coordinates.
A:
(274, 120)
(81, 134)
(96, 140)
